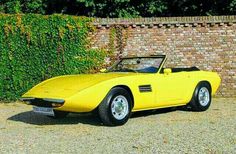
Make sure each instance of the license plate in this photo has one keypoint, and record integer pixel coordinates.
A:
(43, 110)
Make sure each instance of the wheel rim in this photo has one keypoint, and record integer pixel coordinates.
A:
(119, 107)
(204, 96)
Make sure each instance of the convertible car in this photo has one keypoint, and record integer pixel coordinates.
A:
(131, 84)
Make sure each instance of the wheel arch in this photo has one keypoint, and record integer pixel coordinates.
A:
(194, 102)
(128, 90)
(197, 85)
(207, 82)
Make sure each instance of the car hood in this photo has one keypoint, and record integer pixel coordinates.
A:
(68, 85)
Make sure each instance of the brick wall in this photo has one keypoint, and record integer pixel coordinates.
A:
(206, 42)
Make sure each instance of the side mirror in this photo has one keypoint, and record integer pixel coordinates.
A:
(103, 70)
(167, 71)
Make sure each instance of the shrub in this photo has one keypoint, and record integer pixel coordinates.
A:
(36, 47)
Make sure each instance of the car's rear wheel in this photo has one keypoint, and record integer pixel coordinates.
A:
(201, 99)
(115, 109)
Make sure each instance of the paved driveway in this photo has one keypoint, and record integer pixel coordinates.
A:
(161, 131)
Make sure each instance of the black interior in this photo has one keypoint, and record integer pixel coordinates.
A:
(189, 69)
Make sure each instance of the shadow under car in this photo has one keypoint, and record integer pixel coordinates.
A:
(73, 118)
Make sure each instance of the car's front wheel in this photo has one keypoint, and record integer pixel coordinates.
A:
(115, 109)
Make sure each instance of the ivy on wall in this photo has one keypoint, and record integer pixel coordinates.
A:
(36, 47)
(118, 36)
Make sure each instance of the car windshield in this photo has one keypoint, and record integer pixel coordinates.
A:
(139, 65)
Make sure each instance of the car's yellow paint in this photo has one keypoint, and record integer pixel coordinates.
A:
(167, 70)
(83, 93)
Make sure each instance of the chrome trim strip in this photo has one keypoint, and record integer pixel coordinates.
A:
(26, 98)
(60, 101)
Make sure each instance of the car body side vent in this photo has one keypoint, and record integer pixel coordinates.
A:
(145, 88)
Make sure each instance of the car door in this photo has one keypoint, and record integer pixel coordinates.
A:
(144, 94)
(170, 89)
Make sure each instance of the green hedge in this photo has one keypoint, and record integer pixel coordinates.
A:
(36, 47)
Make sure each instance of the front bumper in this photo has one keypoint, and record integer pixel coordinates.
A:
(43, 102)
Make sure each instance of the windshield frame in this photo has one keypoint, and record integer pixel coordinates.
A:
(156, 56)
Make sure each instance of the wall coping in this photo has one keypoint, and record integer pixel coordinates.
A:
(194, 20)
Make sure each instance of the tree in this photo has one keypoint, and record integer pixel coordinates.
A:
(22, 6)
(121, 8)
(201, 7)
(232, 7)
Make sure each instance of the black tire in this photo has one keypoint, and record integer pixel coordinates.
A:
(59, 114)
(198, 105)
(105, 109)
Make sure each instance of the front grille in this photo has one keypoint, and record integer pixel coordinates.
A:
(43, 102)
(40, 102)
(145, 88)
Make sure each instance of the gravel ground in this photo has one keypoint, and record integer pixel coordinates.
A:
(177, 131)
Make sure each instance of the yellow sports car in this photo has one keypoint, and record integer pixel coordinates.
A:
(131, 84)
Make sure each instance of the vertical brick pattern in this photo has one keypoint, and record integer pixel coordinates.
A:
(206, 42)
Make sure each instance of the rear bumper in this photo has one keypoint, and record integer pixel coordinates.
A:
(43, 102)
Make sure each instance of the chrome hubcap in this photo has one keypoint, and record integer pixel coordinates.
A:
(204, 96)
(119, 107)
